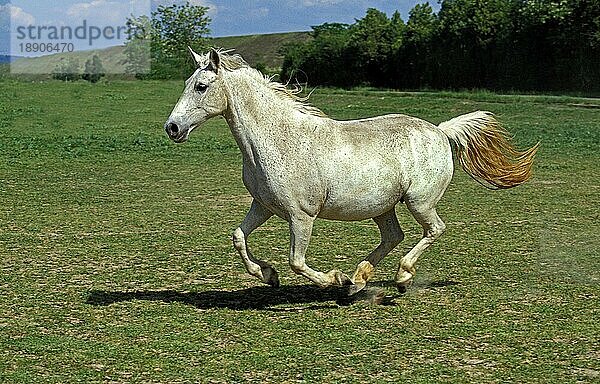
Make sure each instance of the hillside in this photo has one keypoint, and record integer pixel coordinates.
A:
(113, 61)
(7, 58)
(256, 49)
(261, 49)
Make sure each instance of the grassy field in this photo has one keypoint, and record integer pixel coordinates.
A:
(117, 266)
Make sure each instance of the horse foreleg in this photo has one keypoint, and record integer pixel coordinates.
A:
(433, 227)
(255, 217)
(391, 236)
(300, 232)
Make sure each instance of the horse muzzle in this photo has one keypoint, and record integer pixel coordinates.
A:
(177, 132)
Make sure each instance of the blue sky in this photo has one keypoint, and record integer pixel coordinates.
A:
(229, 17)
(232, 17)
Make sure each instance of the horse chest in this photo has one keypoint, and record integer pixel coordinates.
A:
(261, 184)
(281, 187)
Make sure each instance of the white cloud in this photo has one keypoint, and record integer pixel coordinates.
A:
(102, 12)
(317, 3)
(202, 3)
(212, 8)
(139, 7)
(258, 13)
(17, 15)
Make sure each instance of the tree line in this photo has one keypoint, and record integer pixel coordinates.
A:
(526, 45)
(68, 70)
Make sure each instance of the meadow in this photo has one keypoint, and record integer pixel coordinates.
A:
(117, 265)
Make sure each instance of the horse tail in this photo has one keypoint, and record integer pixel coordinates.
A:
(485, 152)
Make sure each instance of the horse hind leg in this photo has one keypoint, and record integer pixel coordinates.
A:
(433, 227)
(391, 236)
(300, 232)
(255, 217)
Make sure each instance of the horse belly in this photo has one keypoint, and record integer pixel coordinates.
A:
(362, 194)
(358, 208)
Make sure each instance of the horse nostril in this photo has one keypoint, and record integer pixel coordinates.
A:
(172, 129)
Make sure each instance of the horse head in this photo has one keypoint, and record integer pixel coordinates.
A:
(204, 97)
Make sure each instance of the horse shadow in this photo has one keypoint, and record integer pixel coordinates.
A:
(263, 297)
(256, 298)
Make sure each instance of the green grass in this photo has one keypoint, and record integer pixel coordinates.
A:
(117, 264)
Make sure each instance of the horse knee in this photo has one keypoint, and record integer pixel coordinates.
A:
(436, 230)
(398, 237)
(297, 267)
(238, 238)
(393, 239)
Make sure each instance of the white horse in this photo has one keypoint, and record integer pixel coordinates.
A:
(301, 165)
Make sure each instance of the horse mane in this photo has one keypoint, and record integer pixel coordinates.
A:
(233, 62)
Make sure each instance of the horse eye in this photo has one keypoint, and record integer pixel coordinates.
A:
(200, 87)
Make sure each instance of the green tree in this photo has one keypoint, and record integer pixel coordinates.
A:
(469, 34)
(329, 57)
(536, 45)
(416, 64)
(169, 31)
(294, 57)
(138, 47)
(93, 69)
(398, 29)
(581, 34)
(558, 43)
(323, 60)
(372, 41)
(67, 70)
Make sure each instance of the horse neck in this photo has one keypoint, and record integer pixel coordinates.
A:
(256, 114)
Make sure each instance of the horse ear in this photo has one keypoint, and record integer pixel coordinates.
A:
(197, 58)
(214, 60)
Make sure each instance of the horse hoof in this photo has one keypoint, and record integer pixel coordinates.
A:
(274, 283)
(403, 287)
(404, 279)
(364, 272)
(339, 278)
(271, 277)
(355, 288)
